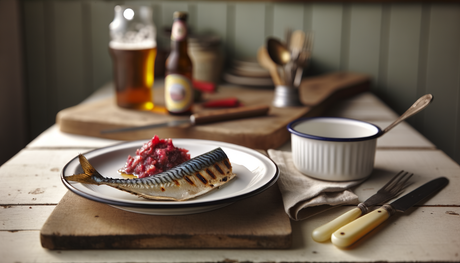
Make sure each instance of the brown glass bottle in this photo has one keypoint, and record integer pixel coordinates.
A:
(179, 70)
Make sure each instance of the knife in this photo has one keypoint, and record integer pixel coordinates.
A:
(390, 190)
(350, 233)
(203, 117)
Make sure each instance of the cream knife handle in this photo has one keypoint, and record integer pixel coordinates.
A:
(324, 232)
(350, 233)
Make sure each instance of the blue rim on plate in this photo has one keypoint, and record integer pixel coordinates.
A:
(291, 128)
(255, 178)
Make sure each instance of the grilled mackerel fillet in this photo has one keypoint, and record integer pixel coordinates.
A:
(190, 179)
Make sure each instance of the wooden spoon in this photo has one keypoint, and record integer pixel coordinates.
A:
(281, 55)
(266, 62)
(297, 43)
(278, 52)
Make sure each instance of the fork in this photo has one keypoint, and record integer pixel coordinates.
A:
(390, 190)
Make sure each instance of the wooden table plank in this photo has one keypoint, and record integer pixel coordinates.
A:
(53, 138)
(403, 136)
(24, 217)
(32, 177)
(263, 132)
(362, 106)
(425, 164)
(35, 174)
(43, 168)
(366, 107)
(400, 239)
(414, 237)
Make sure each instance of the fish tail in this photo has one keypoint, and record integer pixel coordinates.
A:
(89, 175)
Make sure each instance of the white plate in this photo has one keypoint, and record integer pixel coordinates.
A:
(254, 171)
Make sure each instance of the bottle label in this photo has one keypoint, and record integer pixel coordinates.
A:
(178, 93)
(178, 30)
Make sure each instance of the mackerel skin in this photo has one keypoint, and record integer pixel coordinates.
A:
(188, 180)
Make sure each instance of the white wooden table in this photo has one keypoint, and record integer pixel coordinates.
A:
(30, 189)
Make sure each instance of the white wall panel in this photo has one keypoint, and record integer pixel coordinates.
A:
(327, 26)
(403, 56)
(69, 53)
(365, 39)
(442, 78)
(101, 14)
(212, 18)
(249, 29)
(409, 49)
(287, 16)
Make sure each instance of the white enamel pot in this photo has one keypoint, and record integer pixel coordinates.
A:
(334, 149)
(340, 149)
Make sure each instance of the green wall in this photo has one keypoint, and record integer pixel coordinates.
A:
(409, 49)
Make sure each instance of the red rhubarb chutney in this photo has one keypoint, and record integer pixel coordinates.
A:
(155, 156)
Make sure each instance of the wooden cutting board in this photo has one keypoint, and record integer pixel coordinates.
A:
(256, 222)
(316, 93)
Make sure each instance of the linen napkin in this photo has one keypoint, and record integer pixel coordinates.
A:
(304, 196)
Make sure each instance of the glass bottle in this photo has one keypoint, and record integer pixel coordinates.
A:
(179, 91)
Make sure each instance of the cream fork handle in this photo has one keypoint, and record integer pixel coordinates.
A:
(324, 232)
(350, 233)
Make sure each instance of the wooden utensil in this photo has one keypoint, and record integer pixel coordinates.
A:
(266, 62)
(281, 55)
(297, 43)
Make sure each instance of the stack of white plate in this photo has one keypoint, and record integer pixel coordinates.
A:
(248, 73)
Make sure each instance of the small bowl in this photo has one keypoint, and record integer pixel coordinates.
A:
(334, 149)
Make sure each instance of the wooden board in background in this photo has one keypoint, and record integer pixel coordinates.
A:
(256, 222)
(317, 94)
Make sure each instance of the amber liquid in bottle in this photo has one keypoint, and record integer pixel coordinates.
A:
(179, 92)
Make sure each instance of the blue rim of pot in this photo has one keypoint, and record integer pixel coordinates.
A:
(292, 125)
